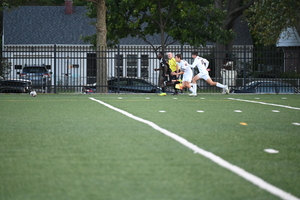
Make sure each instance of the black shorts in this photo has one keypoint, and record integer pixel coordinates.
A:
(173, 77)
(165, 78)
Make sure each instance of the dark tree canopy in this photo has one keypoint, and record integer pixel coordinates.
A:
(268, 18)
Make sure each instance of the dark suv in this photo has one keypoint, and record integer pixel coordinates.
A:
(15, 86)
(39, 76)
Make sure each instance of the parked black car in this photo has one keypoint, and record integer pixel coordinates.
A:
(269, 87)
(38, 74)
(125, 85)
(15, 86)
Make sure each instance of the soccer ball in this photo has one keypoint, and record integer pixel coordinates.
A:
(33, 93)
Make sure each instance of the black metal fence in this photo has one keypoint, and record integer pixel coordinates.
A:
(73, 68)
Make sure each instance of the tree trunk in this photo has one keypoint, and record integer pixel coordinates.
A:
(1, 30)
(101, 47)
(162, 39)
(222, 51)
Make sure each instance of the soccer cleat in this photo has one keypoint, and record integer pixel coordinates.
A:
(163, 94)
(226, 90)
(192, 95)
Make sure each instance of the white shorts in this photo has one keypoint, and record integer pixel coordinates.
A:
(204, 76)
(187, 77)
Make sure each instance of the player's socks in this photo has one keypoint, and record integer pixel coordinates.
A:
(221, 85)
(194, 88)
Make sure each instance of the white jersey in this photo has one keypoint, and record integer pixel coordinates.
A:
(202, 65)
(185, 67)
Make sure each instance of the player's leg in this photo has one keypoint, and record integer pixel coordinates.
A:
(195, 79)
(211, 82)
(187, 78)
(186, 84)
(194, 83)
(162, 85)
(174, 82)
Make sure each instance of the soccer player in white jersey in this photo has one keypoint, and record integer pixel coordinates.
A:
(185, 70)
(202, 65)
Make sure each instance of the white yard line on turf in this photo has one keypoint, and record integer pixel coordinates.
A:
(268, 104)
(235, 169)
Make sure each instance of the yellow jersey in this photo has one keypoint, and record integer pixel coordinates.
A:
(172, 64)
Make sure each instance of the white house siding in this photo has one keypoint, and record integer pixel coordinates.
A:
(289, 38)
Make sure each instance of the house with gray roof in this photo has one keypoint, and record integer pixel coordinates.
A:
(52, 35)
(289, 41)
(48, 25)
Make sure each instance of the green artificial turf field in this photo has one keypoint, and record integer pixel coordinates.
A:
(72, 147)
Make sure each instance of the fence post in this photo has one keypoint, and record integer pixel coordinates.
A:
(181, 49)
(244, 72)
(118, 65)
(54, 68)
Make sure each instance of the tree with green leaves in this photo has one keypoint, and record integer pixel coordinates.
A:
(196, 24)
(186, 22)
(268, 18)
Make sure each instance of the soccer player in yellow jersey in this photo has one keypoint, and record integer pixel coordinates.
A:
(172, 62)
(174, 68)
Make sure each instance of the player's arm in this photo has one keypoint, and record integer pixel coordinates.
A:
(177, 70)
(158, 69)
(166, 68)
(195, 63)
(205, 62)
(178, 73)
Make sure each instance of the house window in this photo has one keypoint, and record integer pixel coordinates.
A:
(118, 65)
(91, 68)
(132, 60)
(144, 66)
(144, 61)
(18, 66)
(132, 63)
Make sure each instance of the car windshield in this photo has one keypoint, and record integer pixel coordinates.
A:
(34, 70)
(140, 83)
(249, 85)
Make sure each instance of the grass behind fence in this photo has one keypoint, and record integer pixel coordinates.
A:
(69, 147)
